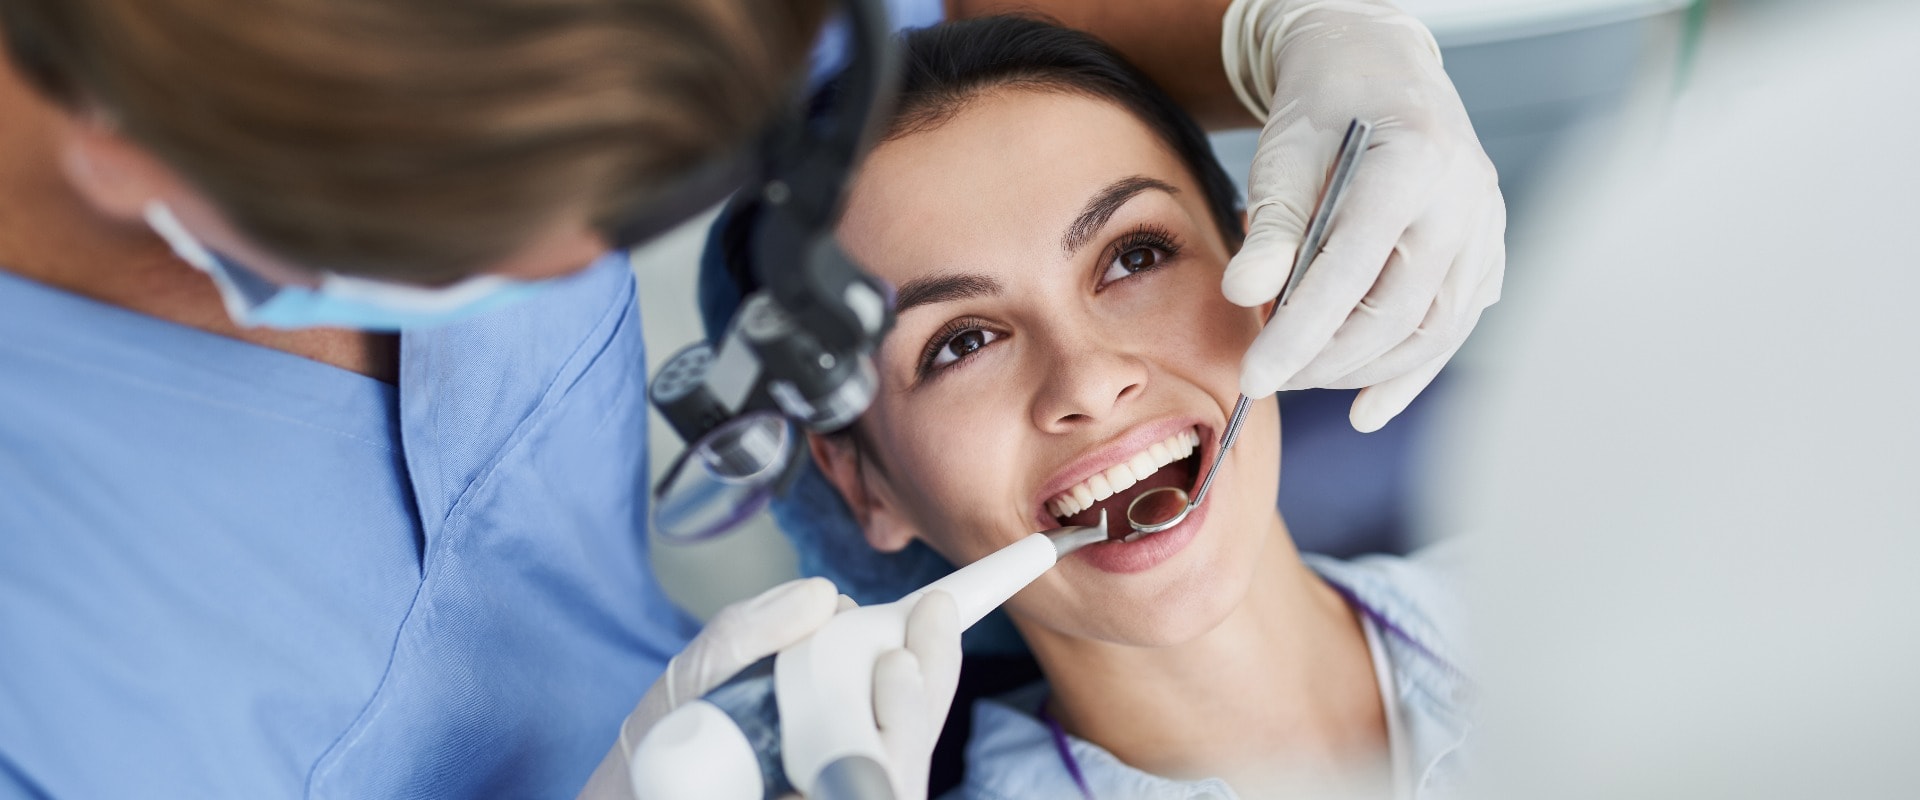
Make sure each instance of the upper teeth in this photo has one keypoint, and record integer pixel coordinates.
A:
(1119, 477)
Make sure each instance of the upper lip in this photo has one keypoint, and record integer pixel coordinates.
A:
(1113, 451)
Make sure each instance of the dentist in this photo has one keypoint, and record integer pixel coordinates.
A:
(322, 422)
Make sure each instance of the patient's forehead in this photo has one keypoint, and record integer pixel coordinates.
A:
(995, 184)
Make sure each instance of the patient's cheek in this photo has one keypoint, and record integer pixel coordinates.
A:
(1212, 331)
(1232, 328)
(950, 482)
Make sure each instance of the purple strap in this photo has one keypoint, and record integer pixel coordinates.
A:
(1066, 752)
(1393, 629)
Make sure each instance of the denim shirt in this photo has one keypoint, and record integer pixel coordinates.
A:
(1420, 626)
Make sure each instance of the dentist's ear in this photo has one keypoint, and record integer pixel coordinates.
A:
(115, 176)
(869, 498)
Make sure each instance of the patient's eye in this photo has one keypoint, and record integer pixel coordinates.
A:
(1137, 259)
(962, 345)
(955, 342)
(1140, 250)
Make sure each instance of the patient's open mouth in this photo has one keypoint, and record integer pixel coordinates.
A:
(1173, 461)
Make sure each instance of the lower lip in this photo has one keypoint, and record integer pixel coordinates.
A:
(1148, 551)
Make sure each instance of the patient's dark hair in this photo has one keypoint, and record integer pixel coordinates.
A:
(949, 66)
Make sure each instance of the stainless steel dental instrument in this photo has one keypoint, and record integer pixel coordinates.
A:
(1158, 509)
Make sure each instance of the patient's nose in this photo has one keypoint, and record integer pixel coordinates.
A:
(1086, 385)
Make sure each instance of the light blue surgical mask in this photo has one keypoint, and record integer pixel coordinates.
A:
(340, 301)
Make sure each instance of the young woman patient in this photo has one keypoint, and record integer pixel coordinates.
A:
(1057, 230)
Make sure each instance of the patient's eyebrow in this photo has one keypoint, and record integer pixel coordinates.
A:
(943, 289)
(1103, 205)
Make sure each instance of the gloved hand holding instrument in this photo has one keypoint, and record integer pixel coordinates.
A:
(841, 713)
(906, 685)
(1403, 279)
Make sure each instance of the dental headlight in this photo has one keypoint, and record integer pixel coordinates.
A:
(799, 352)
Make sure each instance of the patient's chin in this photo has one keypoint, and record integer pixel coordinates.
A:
(1170, 605)
(1184, 598)
(1174, 620)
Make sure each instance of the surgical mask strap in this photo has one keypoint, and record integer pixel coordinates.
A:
(337, 300)
(184, 244)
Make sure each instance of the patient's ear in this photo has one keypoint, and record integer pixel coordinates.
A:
(870, 499)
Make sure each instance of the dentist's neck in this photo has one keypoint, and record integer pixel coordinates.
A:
(49, 235)
(1284, 681)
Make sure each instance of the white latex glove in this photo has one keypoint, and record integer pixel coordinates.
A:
(734, 639)
(1417, 249)
(912, 690)
(912, 687)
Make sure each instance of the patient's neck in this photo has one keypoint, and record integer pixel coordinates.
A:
(1285, 681)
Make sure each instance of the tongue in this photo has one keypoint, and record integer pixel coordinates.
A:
(1178, 473)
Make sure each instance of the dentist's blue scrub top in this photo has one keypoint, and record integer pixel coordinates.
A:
(227, 571)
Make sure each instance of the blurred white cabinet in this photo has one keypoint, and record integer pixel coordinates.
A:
(1459, 23)
(1535, 73)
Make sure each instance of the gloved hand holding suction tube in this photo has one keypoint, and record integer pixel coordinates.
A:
(911, 684)
(852, 708)
(1403, 279)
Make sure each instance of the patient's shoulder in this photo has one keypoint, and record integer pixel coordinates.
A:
(1014, 754)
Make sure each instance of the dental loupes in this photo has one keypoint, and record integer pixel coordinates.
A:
(1156, 510)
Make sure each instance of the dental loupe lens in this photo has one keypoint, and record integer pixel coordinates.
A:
(743, 451)
(724, 478)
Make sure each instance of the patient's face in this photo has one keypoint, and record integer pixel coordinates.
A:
(1061, 333)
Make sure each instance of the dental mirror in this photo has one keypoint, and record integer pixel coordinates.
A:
(1156, 510)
